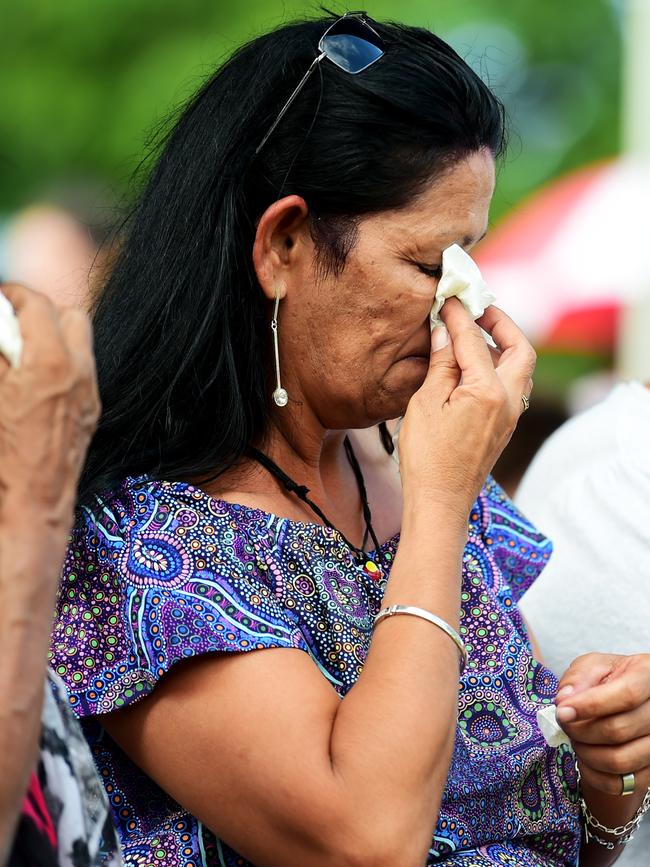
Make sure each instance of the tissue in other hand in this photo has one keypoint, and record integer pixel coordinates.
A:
(11, 341)
(550, 728)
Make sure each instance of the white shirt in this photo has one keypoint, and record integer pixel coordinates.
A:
(588, 489)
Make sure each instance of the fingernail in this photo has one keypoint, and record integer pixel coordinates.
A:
(562, 693)
(566, 714)
(439, 338)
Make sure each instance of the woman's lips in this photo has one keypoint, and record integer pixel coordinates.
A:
(419, 352)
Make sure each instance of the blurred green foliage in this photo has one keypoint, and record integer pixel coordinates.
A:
(82, 82)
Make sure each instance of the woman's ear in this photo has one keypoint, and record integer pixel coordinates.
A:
(280, 241)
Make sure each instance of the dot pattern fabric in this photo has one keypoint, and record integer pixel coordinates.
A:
(162, 572)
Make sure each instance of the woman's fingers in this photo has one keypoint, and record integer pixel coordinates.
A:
(443, 367)
(600, 685)
(495, 355)
(516, 362)
(612, 784)
(505, 333)
(470, 349)
(509, 367)
(604, 706)
(457, 424)
(628, 758)
(615, 729)
(590, 669)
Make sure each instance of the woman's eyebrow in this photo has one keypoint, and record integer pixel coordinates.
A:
(464, 242)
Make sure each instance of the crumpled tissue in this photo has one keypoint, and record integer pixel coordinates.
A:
(11, 341)
(550, 728)
(461, 278)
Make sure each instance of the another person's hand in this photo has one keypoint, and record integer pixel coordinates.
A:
(48, 408)
(460, 420)
(604, 706)
(48, 412)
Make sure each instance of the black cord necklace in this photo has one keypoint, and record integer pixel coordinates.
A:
(301, 491)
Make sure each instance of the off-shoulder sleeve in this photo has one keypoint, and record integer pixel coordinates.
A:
(152, 580)
(519, 550)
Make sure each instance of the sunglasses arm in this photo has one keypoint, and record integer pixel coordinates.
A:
(289, 102)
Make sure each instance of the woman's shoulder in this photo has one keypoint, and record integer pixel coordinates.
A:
(166, 536)
(157, 573)
(161, 522)
(139, 499)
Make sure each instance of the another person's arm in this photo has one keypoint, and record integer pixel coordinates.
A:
(261, 748)
(48, 410)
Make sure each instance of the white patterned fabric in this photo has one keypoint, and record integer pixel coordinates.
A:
(65, 820)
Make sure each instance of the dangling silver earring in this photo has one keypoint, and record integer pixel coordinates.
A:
(280, 395)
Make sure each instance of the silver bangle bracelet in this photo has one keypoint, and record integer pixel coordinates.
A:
(414, 611)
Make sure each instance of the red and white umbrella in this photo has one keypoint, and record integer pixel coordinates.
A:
(566, 262)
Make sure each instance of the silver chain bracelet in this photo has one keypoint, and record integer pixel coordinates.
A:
(623, 833)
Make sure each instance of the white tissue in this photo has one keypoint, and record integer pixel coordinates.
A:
(550, 728)
(461, 278)
(11, 341)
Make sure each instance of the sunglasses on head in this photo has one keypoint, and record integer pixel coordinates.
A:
(350, 43)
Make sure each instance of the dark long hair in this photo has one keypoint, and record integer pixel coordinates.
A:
(181, 328)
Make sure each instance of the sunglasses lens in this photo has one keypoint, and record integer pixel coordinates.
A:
(352, 45)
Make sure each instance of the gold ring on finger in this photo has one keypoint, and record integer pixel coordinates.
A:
(526, 402)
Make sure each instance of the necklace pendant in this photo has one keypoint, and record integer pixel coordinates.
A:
(372, 569)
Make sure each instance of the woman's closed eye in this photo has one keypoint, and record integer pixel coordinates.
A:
(434, 271)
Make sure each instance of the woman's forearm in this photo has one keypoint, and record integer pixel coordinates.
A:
(393, 735)
(30, 557)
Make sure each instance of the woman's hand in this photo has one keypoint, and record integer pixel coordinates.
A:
(48, 407)
(459, 421)
(604, 706)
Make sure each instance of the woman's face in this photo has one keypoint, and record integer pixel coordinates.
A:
(355, 345)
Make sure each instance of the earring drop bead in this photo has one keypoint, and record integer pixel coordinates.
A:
(281, 397)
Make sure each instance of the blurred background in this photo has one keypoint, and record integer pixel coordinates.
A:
(83, 86)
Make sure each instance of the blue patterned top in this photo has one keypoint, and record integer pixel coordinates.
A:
(163, 571)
